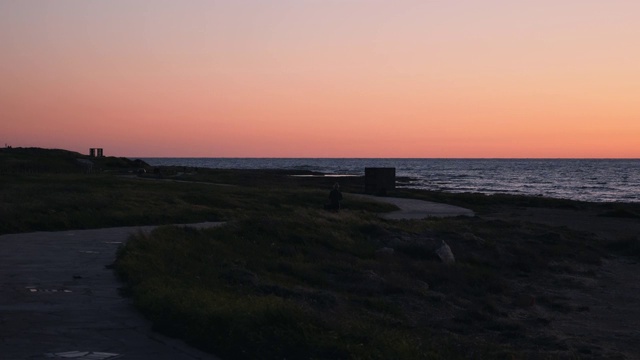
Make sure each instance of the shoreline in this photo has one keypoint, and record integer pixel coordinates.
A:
(576, 179)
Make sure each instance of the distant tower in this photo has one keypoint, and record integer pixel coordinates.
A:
(96, 152)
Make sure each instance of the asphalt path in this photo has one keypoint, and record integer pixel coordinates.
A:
(59, 299)
(59, 296)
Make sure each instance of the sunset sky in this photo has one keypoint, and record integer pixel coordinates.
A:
(323, 78)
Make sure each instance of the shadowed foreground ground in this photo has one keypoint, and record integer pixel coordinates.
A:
(59, 297)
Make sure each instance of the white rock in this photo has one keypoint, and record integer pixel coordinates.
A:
(445, 254)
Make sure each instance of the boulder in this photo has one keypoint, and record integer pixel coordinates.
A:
(445, 254)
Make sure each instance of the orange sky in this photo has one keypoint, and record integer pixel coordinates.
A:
(331, 78)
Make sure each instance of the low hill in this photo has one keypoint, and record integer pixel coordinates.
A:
(39, 160)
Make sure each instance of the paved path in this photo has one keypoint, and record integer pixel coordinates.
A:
(59, 300)
(417, 209)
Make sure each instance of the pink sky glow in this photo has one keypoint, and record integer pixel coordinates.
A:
(331, 78)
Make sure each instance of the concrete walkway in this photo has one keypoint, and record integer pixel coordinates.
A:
(416, 209)
(59, 299)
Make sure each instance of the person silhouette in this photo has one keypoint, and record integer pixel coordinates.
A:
(335, 196)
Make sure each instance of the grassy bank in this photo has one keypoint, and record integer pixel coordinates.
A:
(286, 279)
(305, 283)
(38, 202)
(71, 201)
(44, 189)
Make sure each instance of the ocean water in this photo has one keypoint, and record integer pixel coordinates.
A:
(600, 180)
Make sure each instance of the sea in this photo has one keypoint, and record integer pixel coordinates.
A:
(595, 180)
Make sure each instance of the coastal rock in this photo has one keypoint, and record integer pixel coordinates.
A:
(445, 254)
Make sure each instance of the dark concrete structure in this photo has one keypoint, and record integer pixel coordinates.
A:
(379, 181)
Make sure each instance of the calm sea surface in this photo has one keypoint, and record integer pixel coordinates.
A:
(579, 179)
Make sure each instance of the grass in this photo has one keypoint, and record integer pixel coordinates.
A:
(305, 283)
(39, 202)
(75, 201)
(288, 293)
(285, 279)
